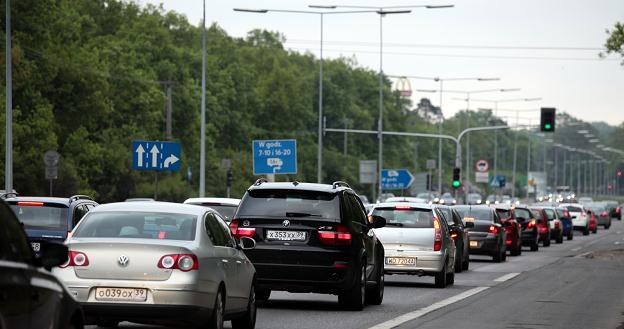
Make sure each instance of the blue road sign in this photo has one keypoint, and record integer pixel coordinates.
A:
(396, 179)
(498, 181)
(278, 156)
(155, 155)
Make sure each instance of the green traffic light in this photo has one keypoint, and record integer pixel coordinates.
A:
(456, 183)
(547, 126)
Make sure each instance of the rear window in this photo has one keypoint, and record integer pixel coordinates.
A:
(478, 213)
(503, 213)
(524, 213)
(226, 211)
(560, 213)
(537, 214)
(290, 203)
(409, 218)
(574, 209)
(42, 216)
(137, 225)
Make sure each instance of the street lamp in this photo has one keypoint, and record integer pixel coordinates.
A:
(441, 80)
(321, 14)
(383, 11)
(202, 129)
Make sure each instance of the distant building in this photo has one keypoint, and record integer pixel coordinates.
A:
(429, 112)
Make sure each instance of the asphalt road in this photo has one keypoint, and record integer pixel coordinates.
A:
(577, 284)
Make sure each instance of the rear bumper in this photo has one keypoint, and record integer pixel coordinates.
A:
(489, 245)
(164, 314)
(304, 278)
(427, 263)
(529, 237)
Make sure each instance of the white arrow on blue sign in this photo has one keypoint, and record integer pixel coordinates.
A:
(396, 179)
(277, 156)
(156, 155)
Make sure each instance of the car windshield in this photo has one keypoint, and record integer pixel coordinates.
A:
(408, 218)
(42, 216)
(480, 213)
(290, 203)
(137, 225)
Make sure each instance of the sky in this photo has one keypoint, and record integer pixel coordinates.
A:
(546, 48)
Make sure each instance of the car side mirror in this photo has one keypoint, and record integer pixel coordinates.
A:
(376, 221)
(52, 254)
(246, 243)
(469, 224)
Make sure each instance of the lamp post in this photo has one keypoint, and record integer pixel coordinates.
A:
(202, 129)
(8, 164)
(321, 14)
(383, 11)
(441, 119)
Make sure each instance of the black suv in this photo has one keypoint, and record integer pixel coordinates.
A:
(49, 218)
(312, 238)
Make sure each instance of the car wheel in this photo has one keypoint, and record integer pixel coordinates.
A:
(607, 226)
(248, 320)
(354, 298)
(107, 324)
(586, 230)
(466, 263)
(450, 278)
(535, 245)
(216, 320)
(547, 241)
(504, 256)
(262, 295)
(440, 277)
(595, 230)
(571, 235)
(374, 295)
(458, 261)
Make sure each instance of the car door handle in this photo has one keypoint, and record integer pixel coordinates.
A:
(238, 262)
(225, 261)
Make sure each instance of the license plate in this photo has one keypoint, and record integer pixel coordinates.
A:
(121, 294)
(286, 235)
(474, 244)
(36, 246)
(406, 261)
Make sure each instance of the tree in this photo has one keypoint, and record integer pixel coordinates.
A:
(615, 42)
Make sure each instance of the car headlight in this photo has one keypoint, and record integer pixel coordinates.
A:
(478, 201)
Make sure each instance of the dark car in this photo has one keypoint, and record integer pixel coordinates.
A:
(312, 238)
(30, 296)
(513, 230)
(543, 227)
(459, 234)
(487, 237)
(49, 218)
(554, 222)
(530, 231)
(566, 221)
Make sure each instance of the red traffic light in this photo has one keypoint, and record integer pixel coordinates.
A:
(619, 173)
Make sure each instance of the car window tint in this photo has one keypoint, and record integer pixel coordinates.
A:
(446, 214)
(457, 218)
(215, 231)
(477, 213)
(138, 225)
(14, 246)
(79, 212)
(409, 218)
(225, 210)
(550, 214)
(229, 239)
(574, 209)
(290, 203)
(503, 213)
(525, 213)
(359, 213)
(560, 213)
(42, 216)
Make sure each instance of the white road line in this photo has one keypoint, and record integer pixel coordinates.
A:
(576, 249)
(418, 313)
(506, 277)
(617, 242)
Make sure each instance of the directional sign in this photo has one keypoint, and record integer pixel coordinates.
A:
(396, 179)
(155, 155)
(482, 166)
(498, 181)
(275, 156)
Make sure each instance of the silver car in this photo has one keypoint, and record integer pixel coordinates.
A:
(417, 241)
(159, 262)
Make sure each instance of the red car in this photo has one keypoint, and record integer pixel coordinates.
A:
(543, 227)
(593, 222)
(513, 240)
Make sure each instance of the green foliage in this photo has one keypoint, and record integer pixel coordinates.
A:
(615, 41)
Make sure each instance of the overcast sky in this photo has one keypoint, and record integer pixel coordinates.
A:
(548, 48)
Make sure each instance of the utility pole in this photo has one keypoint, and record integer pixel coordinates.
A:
(8, 164)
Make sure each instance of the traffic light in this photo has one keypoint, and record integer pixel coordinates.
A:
(456, 181)
(547, 119)
(229, 178)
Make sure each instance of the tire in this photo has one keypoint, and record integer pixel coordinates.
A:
(466, 263)
(216, 319)
(517, 250)
(608, 226)
(504, 256)
(535, 245)
(559, 238)
(262, 295)
(586, 230)
(498, 257)
(459, 262)
(440, 277)
(248, 320)
(571, 235)
(354, 298)
(547, 241)
(450, 278)
(595, 230)
(107, 324)
(374, 295)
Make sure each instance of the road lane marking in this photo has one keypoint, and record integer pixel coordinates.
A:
(576, 249)
(506, 277)
(425, 310)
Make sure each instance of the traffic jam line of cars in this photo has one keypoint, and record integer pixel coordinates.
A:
(212, 260)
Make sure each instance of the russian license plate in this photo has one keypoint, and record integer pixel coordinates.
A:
(474, 244)
(405, 261)
(36, 246)
(286, 235)
(121, 294)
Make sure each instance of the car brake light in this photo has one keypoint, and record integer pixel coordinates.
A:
(566, 213)
(340, 237)
(437, 241)
(454, 236)
(239, 232)
(493, 229)
(182, 262)
(603, 214)
(30, 203)
(76, 258)
(556, 224)
(617, 210)
(402, 207)
(532, 223)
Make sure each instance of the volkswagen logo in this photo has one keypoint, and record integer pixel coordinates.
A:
(245, 223)
(286, 223)
(123, 260)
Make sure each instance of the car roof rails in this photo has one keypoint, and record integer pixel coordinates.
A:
(6, 195)
(340, 183)
(80, 197)
(259, 181)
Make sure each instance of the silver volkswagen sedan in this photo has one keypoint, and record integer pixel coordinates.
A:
(417, 241)
(159, 262)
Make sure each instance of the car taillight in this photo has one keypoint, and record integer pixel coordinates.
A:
(532, 223)
(30, 203)
(617, 210)
(182, 262)
(437, 241)
(340, 237)
(603, 214)
(566, 214)
(556, 224)
(403, 207)
(76, 258)
(239, 232)
(493, 229)
(454, 236)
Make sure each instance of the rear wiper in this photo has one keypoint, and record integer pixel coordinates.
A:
(301, 214)
(395, 224)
